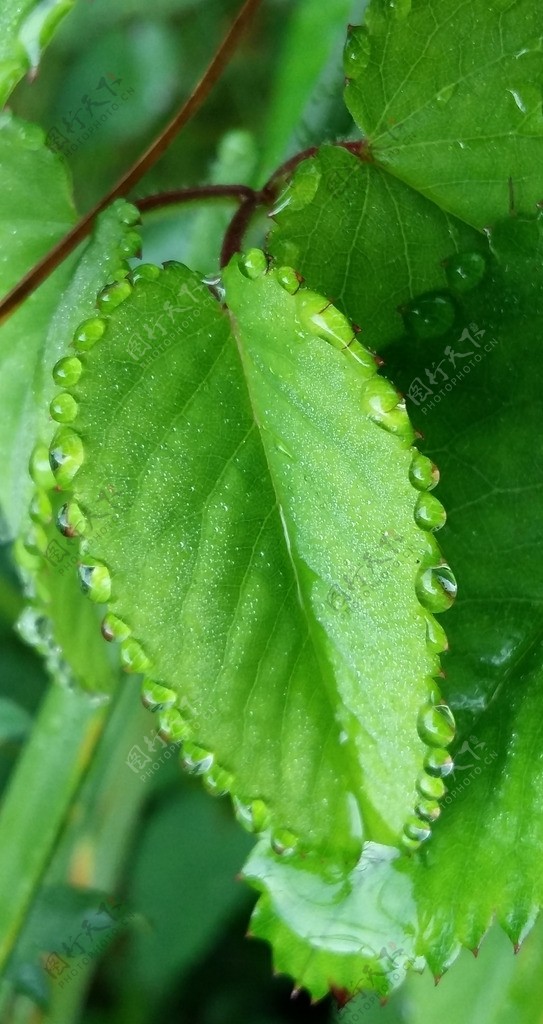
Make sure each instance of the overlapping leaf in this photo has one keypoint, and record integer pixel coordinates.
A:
(450, 98)
(481, 415)
(26, 27)
(387, 241)
(36, 210)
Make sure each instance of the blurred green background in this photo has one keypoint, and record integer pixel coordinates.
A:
(181, 952)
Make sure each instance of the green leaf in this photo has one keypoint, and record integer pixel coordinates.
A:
(14, 720)
(481, 420)
(282, 658)
(26, 26)
(450, 100)
(347, 931)
(387, 241)
(58, 621)
(179, 875)
(32, 218)
(483, 426)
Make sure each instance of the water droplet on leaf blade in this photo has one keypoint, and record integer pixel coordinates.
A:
(429, 512)
(157, 697)
(465, 270)
(436, 588)
(95, 580)
(112, 295)
(357, 52)
(89, 332)
(66, 456)
(67, 371)
(253, 264)
(429, 316)
(436, 725)
(63, 408)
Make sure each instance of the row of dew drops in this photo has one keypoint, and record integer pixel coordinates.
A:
(435, 585)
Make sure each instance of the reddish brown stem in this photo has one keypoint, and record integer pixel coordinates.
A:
(233, 238)
(238, 226)
(190, 195)
(41, 270)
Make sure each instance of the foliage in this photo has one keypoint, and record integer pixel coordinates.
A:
(248, 502)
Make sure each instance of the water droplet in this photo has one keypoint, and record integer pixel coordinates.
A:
(446, 93)
(429, 512)
(429, 316)
(283, 200)
(63, 408)
(40, 468)
(24, 558)
(320, 317)
(71, 521)
(195, 759)
(112, 295)
(305, 184)
(436, 725)
(218, 781)
(423, 474)
(133, 657)
(384, 406)
(379, 397)
(465, 270)
(121, 271)
(215, 284)
(131, 244)
(67, 371)
(436, 638)
(66, 455)
(429, 810)
(401, 8)
(439, 763)
(32, 626)
(144, 272)
(35, 539)
(128, 213)
(157, 697)
(89, 332)
(253, 264)
(357, 52)
(431, 787)
(410, 845)
(288, 279)
(253, 816)
(436, 588)
(95, 581)
(284, 842)
(114, 628)
(417, 829)
(40, 507)
(527, 99)
(172, 726)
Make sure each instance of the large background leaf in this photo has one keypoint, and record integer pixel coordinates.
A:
(450, 99)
